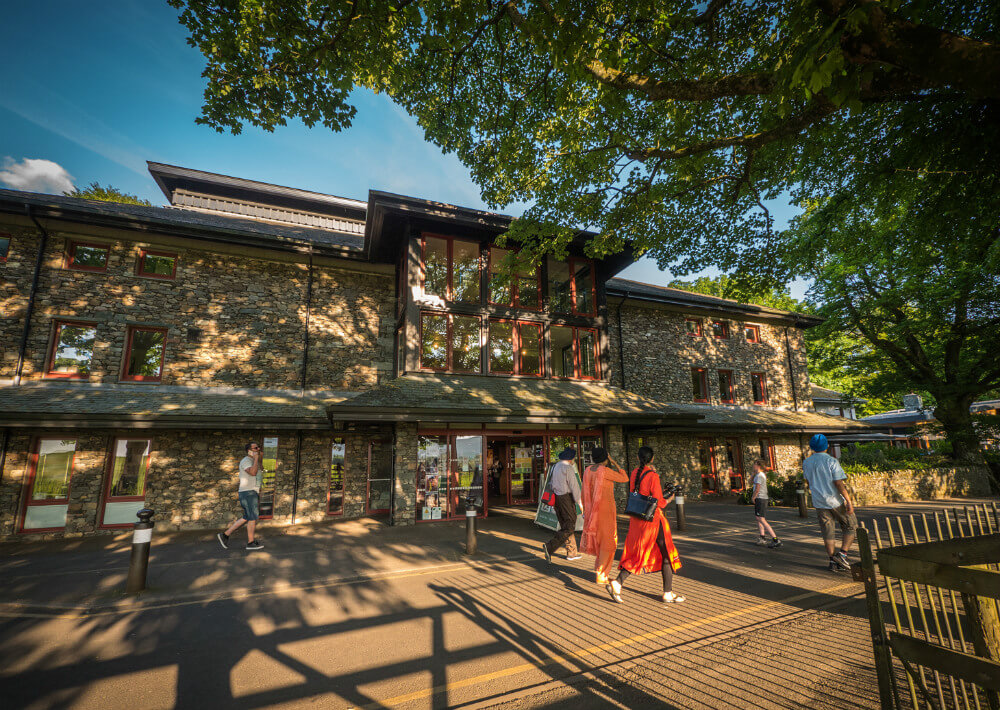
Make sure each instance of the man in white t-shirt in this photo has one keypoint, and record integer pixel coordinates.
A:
(760, 501)
(251, 474)
(831, 500)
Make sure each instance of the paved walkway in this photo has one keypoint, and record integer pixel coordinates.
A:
(357, 615)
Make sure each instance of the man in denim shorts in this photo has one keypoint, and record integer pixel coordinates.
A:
(831, 500)
(249, 496)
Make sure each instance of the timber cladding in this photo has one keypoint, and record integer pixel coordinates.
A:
(231, 320)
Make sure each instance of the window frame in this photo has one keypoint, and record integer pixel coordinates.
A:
(768, 448)
(449, 331)
(515, 341)
(756, 331)
(515, 287)
(129, 333)
(725, 329)
(143, 252)
(697, 323)
(449, 296)
(713, 466)
(576, 353)
(10, 238)
(732, 387)
(29, 482)
(343, 480)
(763, 387)
(57, 325)
(109, 470)
(71, 250)
(702, 375)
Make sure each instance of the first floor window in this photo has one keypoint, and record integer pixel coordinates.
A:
(501, 347)
(335, 492)
(529, 348)
(465, 344)
(450, 343)
(726, 386)
(157, 264)
(434, 342)
(87, 257)
(51, 468)
(574, 352)
(759, 387)
(144, 354)
(435, 271)
(720, 329)
(693, 326)
(699, 385)
(752, 333)
(72, 350)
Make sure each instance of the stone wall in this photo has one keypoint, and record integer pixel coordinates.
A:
(879, 487)
(659, 354)
(405, 469)
(231, 319)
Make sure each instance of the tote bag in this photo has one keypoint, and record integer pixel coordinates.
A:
(637, 505)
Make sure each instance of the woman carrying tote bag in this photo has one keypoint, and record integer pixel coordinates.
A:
(649, 543)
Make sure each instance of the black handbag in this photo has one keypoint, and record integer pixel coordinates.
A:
(637, 505)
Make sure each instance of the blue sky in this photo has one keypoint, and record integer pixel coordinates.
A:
(99, 88)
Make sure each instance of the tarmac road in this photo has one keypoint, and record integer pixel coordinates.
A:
(761, 628)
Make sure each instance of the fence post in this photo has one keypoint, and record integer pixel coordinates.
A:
(880, 642)
(800, 494)
(138, 563)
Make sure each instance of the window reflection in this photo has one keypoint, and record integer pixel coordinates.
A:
(465, 272)
(501, 290)
(465, 344)
(434, 342)
(501, 347)
(588, 350)
(584, 280)
(74, 350)
(562, 351)
(560, 288)
(436, 267)
(530, 349)
(128, 474)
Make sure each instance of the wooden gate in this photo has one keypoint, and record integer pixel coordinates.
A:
(940, 580)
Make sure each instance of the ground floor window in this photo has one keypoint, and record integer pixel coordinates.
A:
(765, 448)
(269, 464)
(707, 466)
(734, 459)
(335, 489)
(50, 470)
(126, 483)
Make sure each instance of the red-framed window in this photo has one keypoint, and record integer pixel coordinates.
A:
(726, 392)
(450, 268)
(734, 457)
(574, 352)
(572, 287)
(156, 264)
(4, 246)
(758, 386)
(72, 349)
(693, 327)
(47, 485)
(524, 290)
(335, 484)
(144, 351)
(699, 384)
(765, 448)
(450, 342)
(87, 256)
(125, 481)
(708, 466)
(515, 348)
(752, 333)
(720, 329)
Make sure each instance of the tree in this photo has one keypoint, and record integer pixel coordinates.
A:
(94, 191)
(779, 297)
(669, 126)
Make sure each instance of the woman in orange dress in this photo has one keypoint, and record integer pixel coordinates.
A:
(600, 517)
(649, 542)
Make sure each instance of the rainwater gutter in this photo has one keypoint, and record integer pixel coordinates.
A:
(31, 296)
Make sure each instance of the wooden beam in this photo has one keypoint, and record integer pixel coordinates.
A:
(981, 582)
(981, 671)
(959, 551)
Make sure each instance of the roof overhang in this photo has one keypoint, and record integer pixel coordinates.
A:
(339, 414)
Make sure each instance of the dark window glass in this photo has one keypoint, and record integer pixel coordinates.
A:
(434, 342)
(436, 267)
(766, 452)
(752, 333)
(501, 347)
(501, 291)
(145, 354)
(465, 344)
(269, 473)
(83, 256)
(531, 349)
(74, 350)
(588, 353)
(693, 327)
(725, 385)
(4, 246)
(720, 329)
(335, 499)
(698, 384)
(432, 477)
(562, 351)
(465, 272)
(128, 473)
(584, 278)
(759, 387)
(560, 289)
(152, 264)
(527, 289)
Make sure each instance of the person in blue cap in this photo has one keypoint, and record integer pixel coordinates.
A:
(831, 500)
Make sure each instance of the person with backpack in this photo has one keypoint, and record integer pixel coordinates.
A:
(649, 547)
(600, 524)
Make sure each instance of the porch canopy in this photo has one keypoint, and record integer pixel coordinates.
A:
(433, 398)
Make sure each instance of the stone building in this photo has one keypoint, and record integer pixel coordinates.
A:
(378, 351)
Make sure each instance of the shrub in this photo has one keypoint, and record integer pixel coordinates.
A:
(863, 458)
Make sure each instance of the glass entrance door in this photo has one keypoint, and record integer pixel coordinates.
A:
(379, 476)
(527, 464)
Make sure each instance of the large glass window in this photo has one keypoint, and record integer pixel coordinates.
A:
(128, 472)
(587, 342)
(765, 448)
(583, 286)
(521, 291)
(144, 354)
(529, 348)
(465, 344)
(157, 264)
(432, 477)
(467, 474)
(87, 257)
(451, 269)
(436, 267)
(335, 491)
(515, 348)
(450, 343)
(72, 349)
(48, 495)
(501, 288)
(560, 287)
(465, 272)
(574, 352)
(434, 341)
(501, 347)
(563, 358)
(707, 466)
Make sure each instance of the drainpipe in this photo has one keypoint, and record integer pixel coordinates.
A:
(305, 338)
(31, 296)
(791, 372)
(621, 347)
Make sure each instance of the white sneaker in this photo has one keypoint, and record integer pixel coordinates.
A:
(671, 598)
(574, 557)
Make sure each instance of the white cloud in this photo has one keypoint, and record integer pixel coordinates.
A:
(36, 175)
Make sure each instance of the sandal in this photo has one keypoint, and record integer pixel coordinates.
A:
(615, 596)
(671, 598)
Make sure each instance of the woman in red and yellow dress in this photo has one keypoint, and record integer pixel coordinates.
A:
(600, 516)
(649, 542)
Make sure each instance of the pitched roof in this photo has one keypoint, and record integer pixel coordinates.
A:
(482, 398)
(78, 404)
(688, 299)
(182, 222)
(770, 419)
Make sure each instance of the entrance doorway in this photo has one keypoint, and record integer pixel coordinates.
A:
(379, 476)
(516, 466)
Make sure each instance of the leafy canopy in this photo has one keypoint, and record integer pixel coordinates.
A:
(94, 191)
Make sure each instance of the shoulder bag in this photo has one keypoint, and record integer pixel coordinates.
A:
(637, 505)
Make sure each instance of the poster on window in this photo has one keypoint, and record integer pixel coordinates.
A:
(546, 515)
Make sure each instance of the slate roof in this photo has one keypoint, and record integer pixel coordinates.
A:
(481, 398)
(675, 296)
(81, 404)
(173, 220)
(769, 419)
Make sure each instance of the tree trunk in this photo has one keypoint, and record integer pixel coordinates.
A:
(954, 416)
